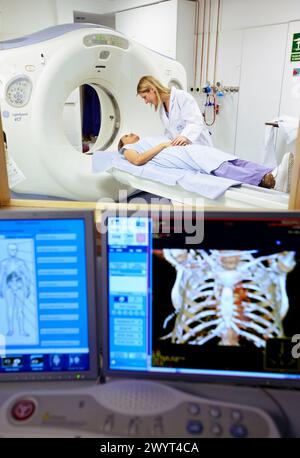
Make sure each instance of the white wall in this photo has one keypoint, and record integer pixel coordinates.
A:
(290, 95)
(242, 14)
(262, 68)
(246, 58)
(155, 26)
(24, 17)
(65, 8)
(166, 27)
(290, 100)
(113, 6)
(185, 37)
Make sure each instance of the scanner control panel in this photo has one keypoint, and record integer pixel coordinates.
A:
(131, 408)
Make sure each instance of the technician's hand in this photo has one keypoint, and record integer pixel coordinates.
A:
(180, 141)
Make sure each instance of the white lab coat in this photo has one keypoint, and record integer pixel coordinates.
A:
(289, 126)
(184, 118)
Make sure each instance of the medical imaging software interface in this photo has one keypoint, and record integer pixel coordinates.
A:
(43, 296)
(228, 306)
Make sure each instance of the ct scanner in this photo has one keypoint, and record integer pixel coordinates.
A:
(38, 73)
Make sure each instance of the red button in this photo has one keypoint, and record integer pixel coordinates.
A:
(23, 410)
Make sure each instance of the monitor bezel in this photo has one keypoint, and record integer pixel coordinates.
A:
(91, 276)
(263, 381)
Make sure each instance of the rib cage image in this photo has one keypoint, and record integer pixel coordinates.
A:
(229, 295)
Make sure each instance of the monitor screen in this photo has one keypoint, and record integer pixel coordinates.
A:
(47, 295)
(222, 305)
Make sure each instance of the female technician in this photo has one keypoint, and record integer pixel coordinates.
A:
(178, 111)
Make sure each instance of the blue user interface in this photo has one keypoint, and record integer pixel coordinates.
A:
(43, 296)
(129, 285)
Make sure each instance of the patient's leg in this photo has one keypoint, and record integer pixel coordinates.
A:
(244, 171)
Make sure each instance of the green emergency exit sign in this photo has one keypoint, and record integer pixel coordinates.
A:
(295, 55)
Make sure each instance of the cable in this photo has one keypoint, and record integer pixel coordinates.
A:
(209, 104)
(217, 41)
(208, 41)
(281, 409)
(196, 31)
(101, 377)
(202, 44)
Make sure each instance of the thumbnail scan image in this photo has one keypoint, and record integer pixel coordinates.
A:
(18, 315)
(228, 295)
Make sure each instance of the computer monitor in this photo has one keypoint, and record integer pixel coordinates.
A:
(224, 308)
(47, 295)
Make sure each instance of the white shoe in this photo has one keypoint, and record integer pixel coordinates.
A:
(283, 173)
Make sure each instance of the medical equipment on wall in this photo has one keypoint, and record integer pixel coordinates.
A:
(215, 96)
(210, 109)
(37, 75)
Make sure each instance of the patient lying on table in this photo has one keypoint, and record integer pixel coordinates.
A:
(204, 159)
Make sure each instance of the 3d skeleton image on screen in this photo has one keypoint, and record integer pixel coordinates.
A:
(228, 295)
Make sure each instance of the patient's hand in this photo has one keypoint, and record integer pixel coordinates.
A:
(166, 144)
(180, 141)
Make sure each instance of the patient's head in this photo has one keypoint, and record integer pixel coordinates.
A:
(127, 140)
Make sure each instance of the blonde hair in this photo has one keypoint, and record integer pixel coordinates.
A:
(149, 82)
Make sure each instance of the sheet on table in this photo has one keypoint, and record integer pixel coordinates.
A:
(208, 186)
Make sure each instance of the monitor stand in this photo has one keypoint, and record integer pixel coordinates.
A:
(126, 408)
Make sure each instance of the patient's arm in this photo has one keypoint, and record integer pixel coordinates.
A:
(140, 159)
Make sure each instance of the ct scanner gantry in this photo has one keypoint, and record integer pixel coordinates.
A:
(37, 75)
